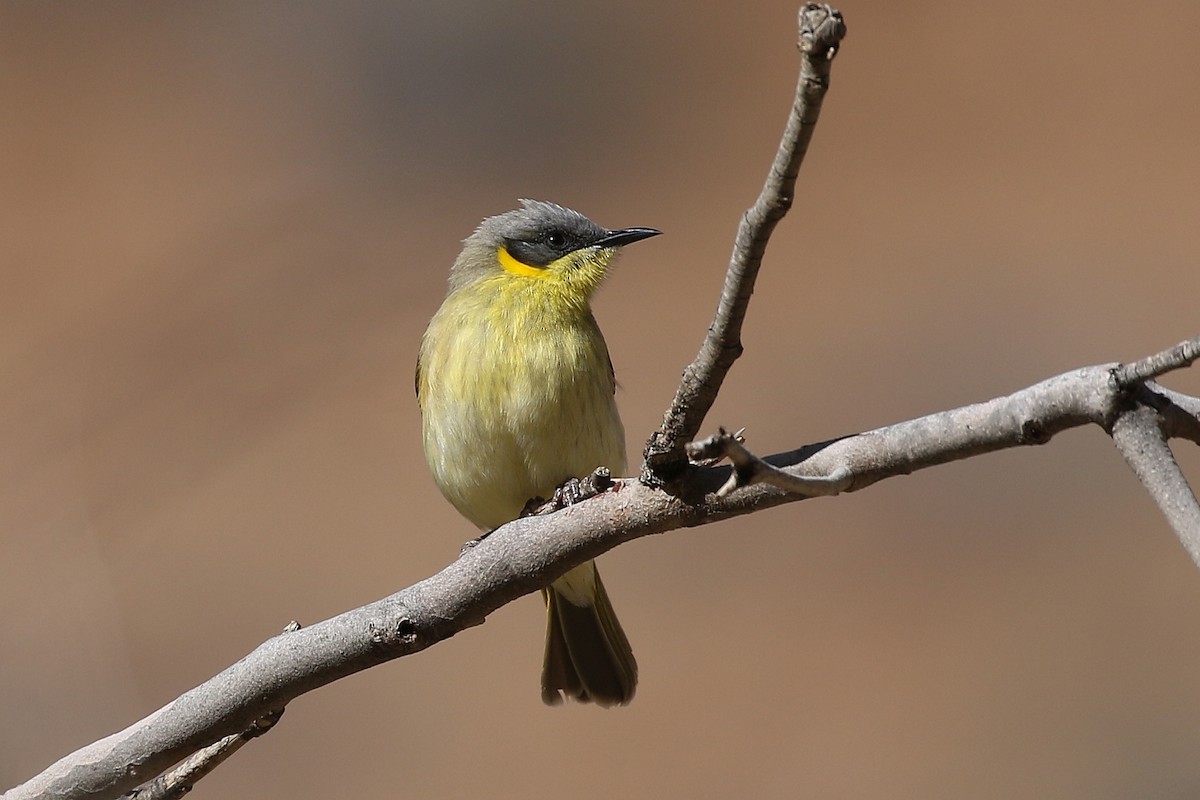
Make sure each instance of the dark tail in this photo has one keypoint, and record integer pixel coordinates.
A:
(588, 657)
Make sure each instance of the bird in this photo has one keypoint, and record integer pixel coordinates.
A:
(517, 396)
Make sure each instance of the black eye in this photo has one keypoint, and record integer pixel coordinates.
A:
(556, 239)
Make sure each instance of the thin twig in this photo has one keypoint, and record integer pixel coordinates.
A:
(1180, 412)
(1140, 439)
(749, 469)
(179, 780)
(821, 31)
(1177, 357)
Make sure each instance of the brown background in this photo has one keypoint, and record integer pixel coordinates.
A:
(224, 228)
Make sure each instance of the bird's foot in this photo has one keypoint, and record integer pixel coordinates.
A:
(572, 491)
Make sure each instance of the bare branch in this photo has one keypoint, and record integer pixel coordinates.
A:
(529, 553)
(1139, 437)
(1180, 412)
(821, 31)
(1177, 357)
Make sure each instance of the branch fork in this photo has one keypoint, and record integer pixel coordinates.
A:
(749, 469)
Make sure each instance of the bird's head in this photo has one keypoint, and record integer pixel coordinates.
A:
(545, 245)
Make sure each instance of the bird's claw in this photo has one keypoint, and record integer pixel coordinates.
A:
(572, 491)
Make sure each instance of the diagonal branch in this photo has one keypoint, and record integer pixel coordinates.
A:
(821, 31)
(527, 554)
(1139, 436)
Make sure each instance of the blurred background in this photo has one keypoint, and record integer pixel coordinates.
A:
(224, 228)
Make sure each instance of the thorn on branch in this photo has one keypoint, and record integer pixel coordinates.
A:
(749, 468)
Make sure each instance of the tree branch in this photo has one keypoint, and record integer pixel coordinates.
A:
(1142, 370)
(749, 469)
(1138, 434)
(529, 553)
(1180, 412)
(821, 31)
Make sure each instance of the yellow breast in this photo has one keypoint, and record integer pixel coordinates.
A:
(516, 395)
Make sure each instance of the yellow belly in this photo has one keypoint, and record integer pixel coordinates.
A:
(515, 398)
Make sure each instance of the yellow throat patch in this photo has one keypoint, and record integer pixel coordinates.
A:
(511, 264)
